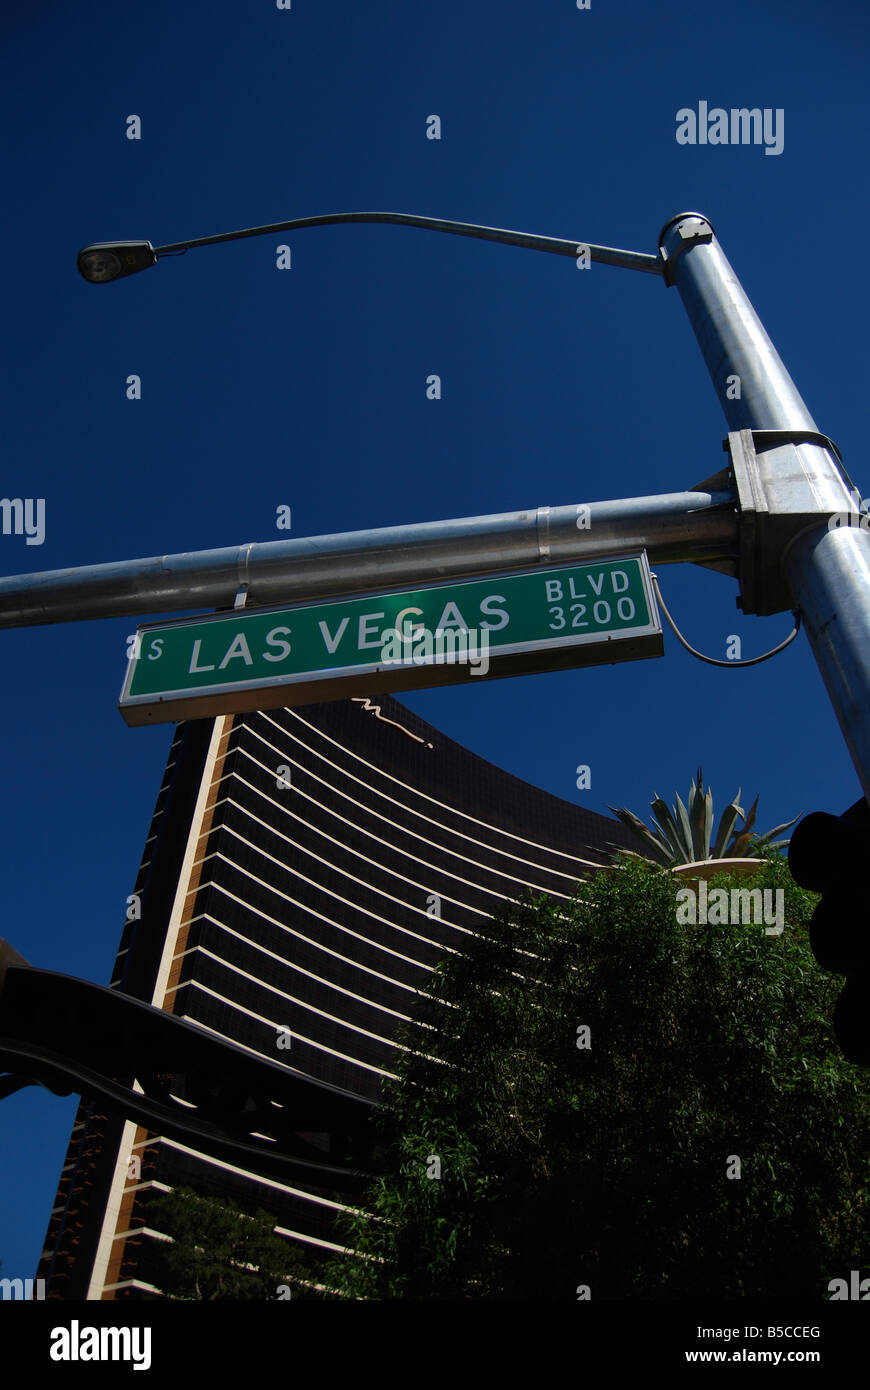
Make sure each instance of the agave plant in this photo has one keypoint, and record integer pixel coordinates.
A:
(684, 836)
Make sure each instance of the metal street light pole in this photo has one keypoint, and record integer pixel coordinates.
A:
(791, 483)
(785, 479)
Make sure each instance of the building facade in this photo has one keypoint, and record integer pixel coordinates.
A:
(304, 872)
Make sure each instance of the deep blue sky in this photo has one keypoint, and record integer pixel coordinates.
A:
(307, 387)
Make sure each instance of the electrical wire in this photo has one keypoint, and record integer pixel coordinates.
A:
(712, 660)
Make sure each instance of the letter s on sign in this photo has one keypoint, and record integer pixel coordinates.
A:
(274, 639)
(500, 613)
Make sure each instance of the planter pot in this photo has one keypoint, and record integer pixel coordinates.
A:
(710, 868)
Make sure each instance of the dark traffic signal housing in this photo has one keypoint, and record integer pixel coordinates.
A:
(830, 855)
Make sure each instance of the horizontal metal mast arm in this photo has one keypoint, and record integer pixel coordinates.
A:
(680, 526)
(607, 255)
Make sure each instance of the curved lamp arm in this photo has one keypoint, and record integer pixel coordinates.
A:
(104, 261)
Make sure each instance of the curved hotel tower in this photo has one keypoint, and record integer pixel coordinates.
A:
(304, 871)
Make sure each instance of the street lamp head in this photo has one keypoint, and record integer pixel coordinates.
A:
(111, 260)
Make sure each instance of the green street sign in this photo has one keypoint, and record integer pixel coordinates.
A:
(508, 625)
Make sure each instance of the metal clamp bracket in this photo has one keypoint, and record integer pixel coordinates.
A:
(768, 439)
(678, 235)
(779, 497)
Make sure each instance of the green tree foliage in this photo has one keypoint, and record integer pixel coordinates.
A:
(218, 1251)
(565, 1165)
